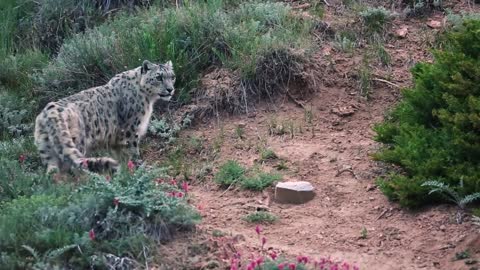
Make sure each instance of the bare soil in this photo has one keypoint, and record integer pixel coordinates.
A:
(332, 151)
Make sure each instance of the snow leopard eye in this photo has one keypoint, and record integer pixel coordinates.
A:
(159, 78)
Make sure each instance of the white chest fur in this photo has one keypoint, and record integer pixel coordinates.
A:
(142, 129)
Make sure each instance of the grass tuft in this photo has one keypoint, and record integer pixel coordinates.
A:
(260, 217)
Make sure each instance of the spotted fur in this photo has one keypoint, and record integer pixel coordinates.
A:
(114, 114)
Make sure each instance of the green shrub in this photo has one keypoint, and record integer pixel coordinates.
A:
(27, 24)
(167, 130)
(194, 37)
(421, 7)
(230, 173)
(267, 154)
(15, 70)
(260, 181)
(16, 116)
(433, 132)
(20, 171)
(260, 217)
(375, 20)
(105, 219)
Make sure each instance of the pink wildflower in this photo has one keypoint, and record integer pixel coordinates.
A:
(251, 265)
(292, 266)
(173, 182)
(233, 264)
(131, 166)
(259, 261)
(273, 255)
(258, 229)
(116, 201)
(280, 266)
(356, 267)
(91, 234)
(107, 178)
(172, 194)
(345, 266)
(264, 241)
(179, 195)
(185, 187)
(334, 267)
(302, 259)
(21, 159)
(237, 255)
(159, 181)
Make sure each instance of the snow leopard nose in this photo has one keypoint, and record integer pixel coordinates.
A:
(170, 89)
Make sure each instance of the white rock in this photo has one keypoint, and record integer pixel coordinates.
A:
(294, 192)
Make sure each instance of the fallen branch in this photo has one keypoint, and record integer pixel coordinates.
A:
(231, 185)
(382, 214)
(387, 82)
(298, 103)
(350, 170)
(302, 6)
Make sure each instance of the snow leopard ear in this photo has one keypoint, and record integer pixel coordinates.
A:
(146, 66)
(169, 64)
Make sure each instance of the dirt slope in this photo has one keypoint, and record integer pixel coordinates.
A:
(334, 157)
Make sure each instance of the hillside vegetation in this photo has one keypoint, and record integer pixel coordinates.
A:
(49, 49)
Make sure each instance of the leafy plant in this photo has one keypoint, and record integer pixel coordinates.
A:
(260, 181)
(345, 41)
(166, 129)
(462, 255)
(364, 233)
(15, 116)
(267, 154)
(375, 20)
(260, 217)
(383, 55)
(240, 132)
(421, 7)
(270, 260)
(451, 195)
(105, 218)
(281, 166)
(230, 173)
(365, 78)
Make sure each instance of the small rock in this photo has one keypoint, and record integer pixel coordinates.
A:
(242, 125)
(344, 111)
(434, 24)
(442, 228)
(327, 50)
(471, 261)
(371, 198)
(294, 192)
(402, 32)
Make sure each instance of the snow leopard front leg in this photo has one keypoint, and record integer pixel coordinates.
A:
(128, 136)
